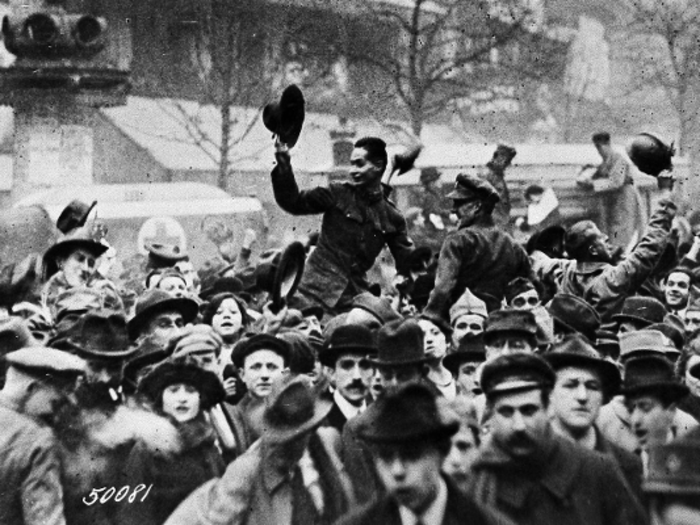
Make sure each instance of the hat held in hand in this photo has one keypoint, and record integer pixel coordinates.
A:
(286, 117)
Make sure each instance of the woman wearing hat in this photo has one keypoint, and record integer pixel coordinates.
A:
(71, 262)
(180, 391)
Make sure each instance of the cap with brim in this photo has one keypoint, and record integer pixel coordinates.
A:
(674, 468)
(646, 341)
(469, 186)
(646, 310)
(157, 301)
(516, 373)
(521, 322)
(471, 349)
(100, 334)
(78, 238)
(400, 343)
(253, 343)
(164, 255)
(572, 314)
(675, 336)
(40, 361)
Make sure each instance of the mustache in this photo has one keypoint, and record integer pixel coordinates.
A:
(357, 384)
(521, 439)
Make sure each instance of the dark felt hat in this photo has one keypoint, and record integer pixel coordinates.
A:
(642, 341)
(379, 307)
(640, 309)
(286, 117)
(652, 374)
(220, 285)
(348, 339)
(517, 286)
(575, 315)
(471, 349)
(673, 334)
(674, 468)
(576, 352)
(549, 240)
(102, 334)
(607, 343)
(83, 237)
(516, 321)
(248, 345)
(147, 353)
(470, 186)
(74, 216)
(405, 415)
(516, 373)
(400, 343)
(156, 301)
(650, 154)
(209, 386)
(292, 409)
(279, 273)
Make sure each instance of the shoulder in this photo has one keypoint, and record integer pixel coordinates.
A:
(377, 512)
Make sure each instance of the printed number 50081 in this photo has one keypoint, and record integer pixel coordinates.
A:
(118, 495)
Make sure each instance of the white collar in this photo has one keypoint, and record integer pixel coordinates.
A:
(434, 515)
(346, 407)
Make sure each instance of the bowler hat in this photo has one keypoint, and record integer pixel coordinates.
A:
(292, 409)
(471, 349)
(470, 186)
(82, 237)
(406, 414)
(348, 339)
(400, 343)
(650, 154)
(646, 341)
(74, 216)
(156, 301)
(574, 315)
(674, 468)
(517, 321)
(576, 352)
(101, 333)
(186, 371)
(286, 117)
(512, 373)
(253, 343)
(40, 361)
(652, 374)
(638, 309)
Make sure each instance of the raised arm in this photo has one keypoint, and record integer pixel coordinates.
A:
(288, 195)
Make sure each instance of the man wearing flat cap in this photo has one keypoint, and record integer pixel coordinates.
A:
(479, 256)
(409, 437)
(528, 472)
(38, 380)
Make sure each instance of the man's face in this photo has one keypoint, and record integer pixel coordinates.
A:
(692, 320)
(466, 325)
(164, 326)
(411, 475)
(519, 423)
(106, 371)
(174, 285)
(576, 399)
(363, 172)
(434, 342)
(78, 266)
(310, 326)
(650, 420)
(352, 375)
(466, 376)
(676, 290)
(362, 317)
(600, 246)
(466, 210)
(261, 370)
(506, 343)
(462, 454)
(394, 376)
(525, 301)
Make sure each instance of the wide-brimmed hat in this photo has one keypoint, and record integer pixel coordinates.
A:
(514, 321)
(292, 409)
(406, 414)
(573, 314)
(82, 237)
(348, 339)
(209, 386)
(286, 117)
(513, 373)
(575, 352)
(46, 362)
(471, 349)
(279, 273)
(638, 309)
(102, 334)
(642, 341)
(468, 186)
(161, 255)
(400, 343)
(74, 216)
(673, 328)
(253, 343)
(156, 301)
(652, 374)
(674, 468)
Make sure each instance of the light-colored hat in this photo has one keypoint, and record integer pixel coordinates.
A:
(468, 303)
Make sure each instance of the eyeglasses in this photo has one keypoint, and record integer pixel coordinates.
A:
(521, 302)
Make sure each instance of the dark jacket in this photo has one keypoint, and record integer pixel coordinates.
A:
(480, 257)
(630, 463)
(460, 509)
(355, 228)
(565, 483)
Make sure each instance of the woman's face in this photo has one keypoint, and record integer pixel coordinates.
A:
(692, 382)
(78, 266)
(181, 401)
(434, 340)
(227, 320)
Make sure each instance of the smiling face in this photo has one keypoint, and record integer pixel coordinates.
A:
(676, 290)
(434, 342)
(576, 399)
(181, 401)
(363, 172)
(228, 320)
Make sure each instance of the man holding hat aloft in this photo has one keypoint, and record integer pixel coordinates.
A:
(410, 438)
(478, 256)
(291, 476)
(584, 382)
(38, 379)
(346, 356)
(528, 472)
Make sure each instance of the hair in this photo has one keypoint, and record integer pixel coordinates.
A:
(533, 189)
(376, 150)
(545, 392)
(209, 309)
(578, 240)
(665, 397)
(602, 137)
(683, 270)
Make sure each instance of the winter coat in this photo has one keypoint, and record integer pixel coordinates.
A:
(30, 471)
(355, 228)
(480, 257)
(173, 476)
(565, 483)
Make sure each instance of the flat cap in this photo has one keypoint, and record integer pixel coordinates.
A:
(470, 186)
(42, 360)
(516, 373)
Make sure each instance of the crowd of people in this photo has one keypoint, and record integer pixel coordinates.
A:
(496, 383)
